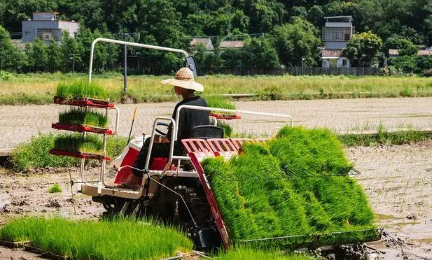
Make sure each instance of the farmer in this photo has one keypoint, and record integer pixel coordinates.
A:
(184, 86)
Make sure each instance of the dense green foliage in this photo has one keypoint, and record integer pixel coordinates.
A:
(296, 184)
(254, 254)
(35, 153)
(81, 116)
(79, 90)
(118, 239)
(173, 23)
(362, 48)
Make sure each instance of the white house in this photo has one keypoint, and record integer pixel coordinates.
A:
(46, 26)
(336, 33)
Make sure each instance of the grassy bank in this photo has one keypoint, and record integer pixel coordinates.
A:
(118, 239)
(35, 153)
(383, 137)
(39, 88)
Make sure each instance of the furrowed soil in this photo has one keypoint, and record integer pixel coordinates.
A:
(396, 179)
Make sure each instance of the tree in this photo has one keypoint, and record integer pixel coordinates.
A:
(71, 55)
(232, 58)
(200, 55)
(362, 48)
(37, 56)
(405, 46)
(7, 51)
(240, 21)
(296, 42)
(55, 56)
(258, 53)
(161, 20)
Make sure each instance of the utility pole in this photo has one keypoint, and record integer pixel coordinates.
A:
(125, 64)
(73, 62)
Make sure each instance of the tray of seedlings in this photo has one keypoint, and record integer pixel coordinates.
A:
(83, 120)
(82, 94)
(222, 102)
(79, 146)
(83, 116)
(291, 191)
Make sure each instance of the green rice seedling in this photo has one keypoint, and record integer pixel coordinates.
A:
(35, 153)
(219, 102)
(296, 185)
(55, 188)
(385, 137)
(80, 90)
(318, 164)
(79, 143)
(255, 254)
(81, 116)
(117, 239)
(227, 129)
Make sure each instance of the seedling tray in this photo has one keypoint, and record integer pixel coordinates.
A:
(225, 116)
(79, 155)
(86, 102)
(81, 128)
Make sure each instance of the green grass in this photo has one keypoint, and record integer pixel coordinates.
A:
(81, 116)
(225, 103)
(55, 188)
(255, 254)
(118, 239)
(35, 153)
(219, 102)
(296, 184)
(80, 89)
(39, 88)
(384, 137)
(79, 143)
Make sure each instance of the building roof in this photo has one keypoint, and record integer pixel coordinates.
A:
(393, 52)
(37, 12)
(231, 44)
(427, 52)
(424, 52)
(330, 54)
(206, 41)
(342, 18)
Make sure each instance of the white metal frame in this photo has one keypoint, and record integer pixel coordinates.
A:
(291, 120)
(147, 46)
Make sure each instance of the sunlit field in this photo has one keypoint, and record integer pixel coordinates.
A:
(39, 88)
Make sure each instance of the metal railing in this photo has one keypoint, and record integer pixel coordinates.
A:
(294, 71)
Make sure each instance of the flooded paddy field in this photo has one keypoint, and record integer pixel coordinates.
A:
(396, 179)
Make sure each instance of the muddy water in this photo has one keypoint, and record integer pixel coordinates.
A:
(398, 182)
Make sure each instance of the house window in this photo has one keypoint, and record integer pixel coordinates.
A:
(344, 63)
(347, 36)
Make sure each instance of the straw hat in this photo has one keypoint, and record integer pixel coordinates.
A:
(184, 78)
